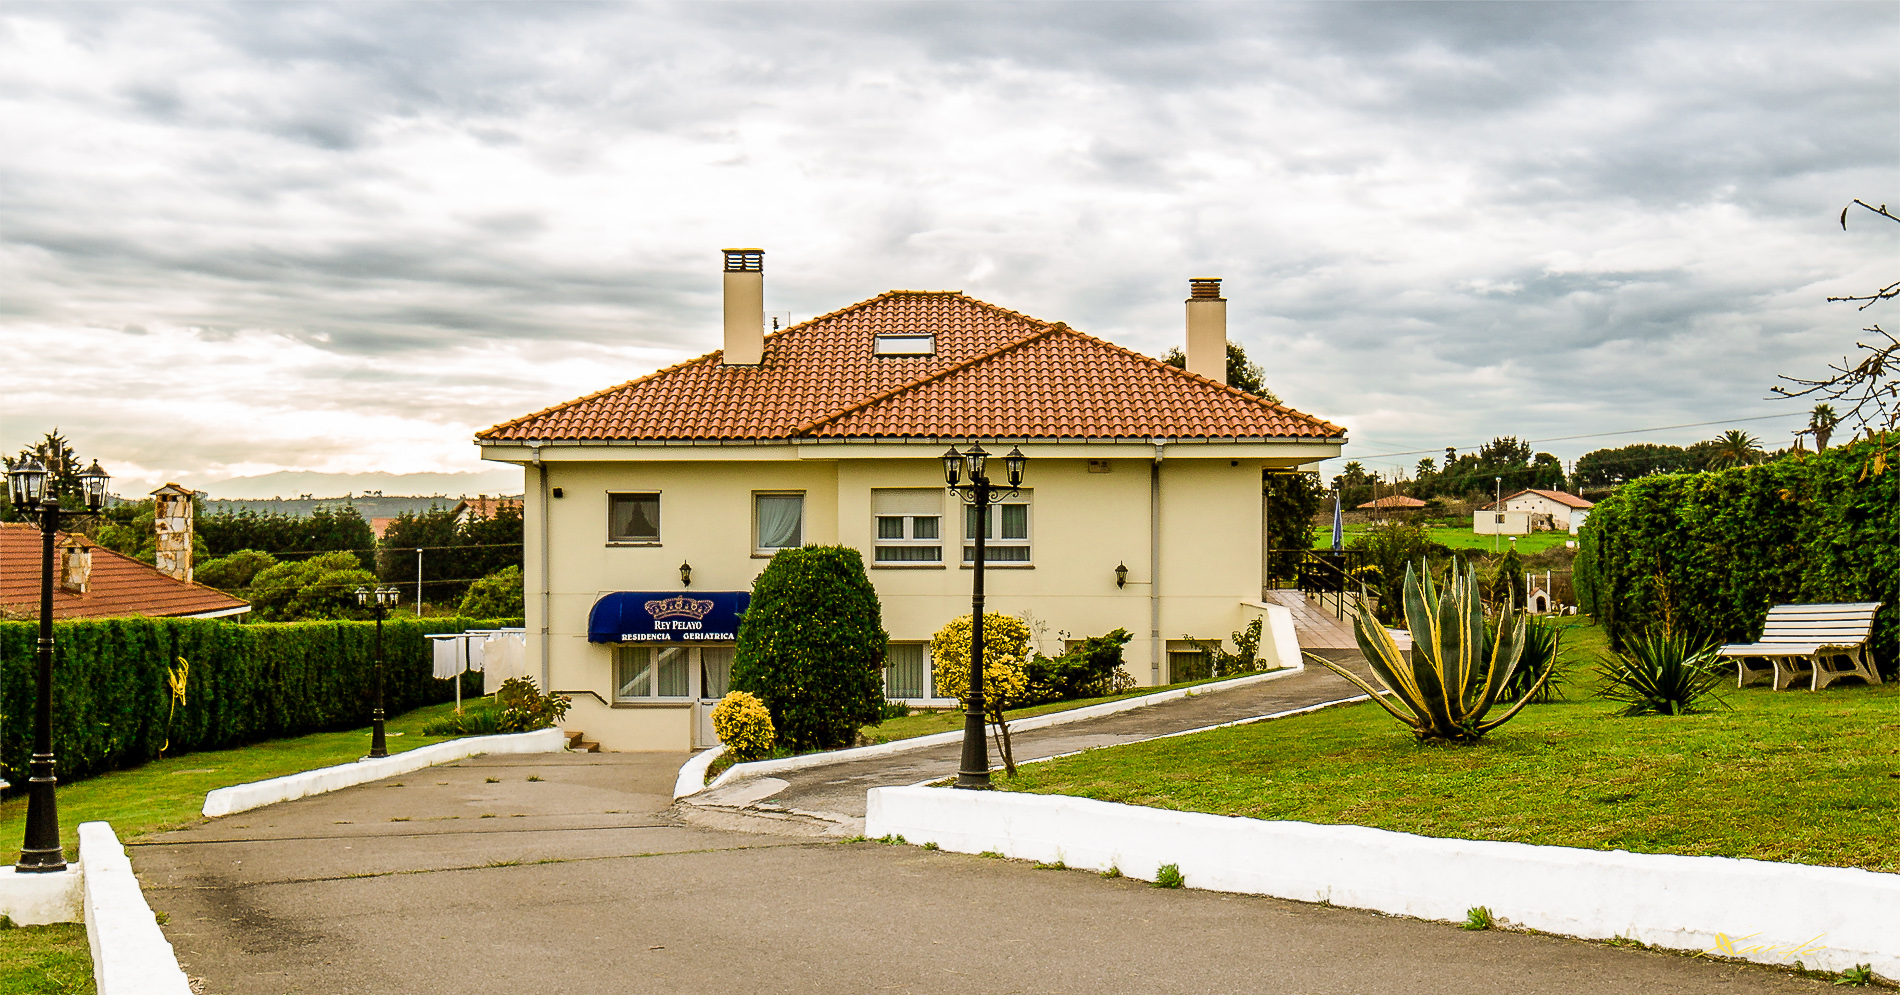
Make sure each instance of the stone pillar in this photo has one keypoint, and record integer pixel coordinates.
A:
(171, 513)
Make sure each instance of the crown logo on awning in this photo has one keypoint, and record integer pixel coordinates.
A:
(680, 607)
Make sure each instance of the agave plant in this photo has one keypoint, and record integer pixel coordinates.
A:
(1542, 642)
(1444, 691)
(1662, 673)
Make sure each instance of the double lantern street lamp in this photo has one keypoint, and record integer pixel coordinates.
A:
(379, 601)
(30, 484)
(980, 493)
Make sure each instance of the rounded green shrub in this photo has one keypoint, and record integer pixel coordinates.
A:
(811, 647)
(745, 726)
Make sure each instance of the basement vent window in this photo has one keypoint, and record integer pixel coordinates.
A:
(905, 345)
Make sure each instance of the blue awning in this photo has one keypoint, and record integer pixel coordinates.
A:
(667, 617)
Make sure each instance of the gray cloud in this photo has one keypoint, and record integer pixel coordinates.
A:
(1437, 222)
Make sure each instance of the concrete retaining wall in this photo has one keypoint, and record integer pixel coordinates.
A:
(130, 955)
(244, 797)
(1830, 918)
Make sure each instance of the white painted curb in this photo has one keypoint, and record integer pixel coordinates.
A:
(244, 797)
(760, 768)
(1830, 918)
(130, 955)
(35, 899)
(692, 776)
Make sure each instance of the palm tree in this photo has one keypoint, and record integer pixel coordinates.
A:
(1736, 448)
(1821, 423)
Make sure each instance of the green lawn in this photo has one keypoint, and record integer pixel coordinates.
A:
(1795, 776)
(35, 960)
(1459, 538)
(171, 792)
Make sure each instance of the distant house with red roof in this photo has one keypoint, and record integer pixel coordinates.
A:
(94, 582)
(654, 504)
(1542, 511)
(484, 506)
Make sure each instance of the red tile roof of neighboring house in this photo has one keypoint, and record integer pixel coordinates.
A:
(995, 373)
(1560, 497)
(119, 585)
(484, 506)
(1393, 501)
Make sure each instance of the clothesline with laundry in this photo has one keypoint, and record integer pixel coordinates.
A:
(497, 654)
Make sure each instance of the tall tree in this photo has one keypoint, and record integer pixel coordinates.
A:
(1736, 448)
(1293, 498)
(1821, 424)
(1242, 374)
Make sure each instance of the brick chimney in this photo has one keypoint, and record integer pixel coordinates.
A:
(1207, 329)
(745, 307)
(75, 565)
(171, 513)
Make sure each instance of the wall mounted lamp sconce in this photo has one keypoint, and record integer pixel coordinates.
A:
(686, 574)
(1121, 574)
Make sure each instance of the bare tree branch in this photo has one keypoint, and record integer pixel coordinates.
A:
(1870, 385)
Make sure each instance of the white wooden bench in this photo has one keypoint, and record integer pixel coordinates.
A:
(1822, 642)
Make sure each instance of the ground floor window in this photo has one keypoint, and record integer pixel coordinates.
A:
(715, 671)
(905, 672)
(1187, 662)
(668, 672)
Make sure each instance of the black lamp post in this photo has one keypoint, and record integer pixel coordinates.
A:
(378, 601)
(974, 771)
(31, 485)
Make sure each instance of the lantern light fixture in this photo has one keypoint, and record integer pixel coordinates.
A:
(1121, 574)
(93, 481)
(686, 574)
(27, 481)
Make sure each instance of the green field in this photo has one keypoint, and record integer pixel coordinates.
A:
(1459, 538)
(1807, 777)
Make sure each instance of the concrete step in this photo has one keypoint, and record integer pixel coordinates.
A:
(578, 742)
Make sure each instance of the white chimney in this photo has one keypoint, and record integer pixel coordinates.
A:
(745, 307)
(1207, 329)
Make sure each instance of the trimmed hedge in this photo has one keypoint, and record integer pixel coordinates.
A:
(811, 647)
(1714, 551)
(247, 682)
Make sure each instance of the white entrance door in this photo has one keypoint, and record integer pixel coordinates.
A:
(715, 679)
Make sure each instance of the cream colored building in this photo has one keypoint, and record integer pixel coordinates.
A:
(653, 506)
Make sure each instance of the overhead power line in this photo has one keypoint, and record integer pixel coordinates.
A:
(1589, 435)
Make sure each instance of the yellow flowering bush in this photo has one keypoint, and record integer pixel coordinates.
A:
(744, 725)
(1005, 651)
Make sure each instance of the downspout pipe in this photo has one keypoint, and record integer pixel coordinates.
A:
(1154, 565)
(547, 511)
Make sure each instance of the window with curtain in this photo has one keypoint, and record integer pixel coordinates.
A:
(908, 523)
(715, 671)
(779, 521)
(645, 673)
(633, 518)
(904, 671)
(1006, 539)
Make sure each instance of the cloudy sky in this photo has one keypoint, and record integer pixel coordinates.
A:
(243, 239)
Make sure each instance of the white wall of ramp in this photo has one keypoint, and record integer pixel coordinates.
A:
(256, 794)
(130, 955)
(1830, 918)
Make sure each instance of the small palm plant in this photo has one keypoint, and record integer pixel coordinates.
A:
(1662, 673)
(1542, 642)
(1456, 672)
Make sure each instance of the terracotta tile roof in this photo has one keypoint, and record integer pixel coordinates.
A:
(1570, 500)
(483, 506)
(119, 584)
(1394, 501)
(995, 373)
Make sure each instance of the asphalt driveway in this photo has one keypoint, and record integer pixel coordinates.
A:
(585, 881)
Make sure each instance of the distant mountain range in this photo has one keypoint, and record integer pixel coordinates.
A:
(295, 485)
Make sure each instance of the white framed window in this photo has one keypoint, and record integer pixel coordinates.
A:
(905, 345)
(778, 522)
(908, 526)
(633, 517)
(653, 673)
(905, 673)
(1007, 539)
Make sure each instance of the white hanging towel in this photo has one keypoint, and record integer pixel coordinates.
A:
(446, 654)
(473, 643)
(505, 655)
